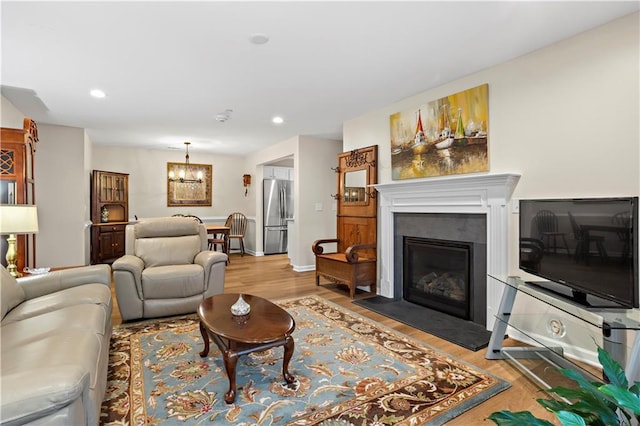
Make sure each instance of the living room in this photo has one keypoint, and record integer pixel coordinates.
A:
(564, 118)
(585, 85)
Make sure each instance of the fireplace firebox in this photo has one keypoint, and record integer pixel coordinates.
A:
(438, 274)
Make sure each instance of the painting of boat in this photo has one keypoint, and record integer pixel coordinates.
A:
(450, 137)
(420, 144)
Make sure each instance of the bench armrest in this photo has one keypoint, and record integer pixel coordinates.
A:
(352, 251)
(316, 246)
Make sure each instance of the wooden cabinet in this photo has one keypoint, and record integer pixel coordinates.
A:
(276, 172)
(17, 182)
(109, 215)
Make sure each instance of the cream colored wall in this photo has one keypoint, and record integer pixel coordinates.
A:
(254, 163)
(10, 116)
(147, 169)
(61, 196)
(317, 183)
(88, 152)
(312, 160)
(566, 117)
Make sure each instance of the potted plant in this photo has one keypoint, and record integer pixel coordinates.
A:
(598, 404)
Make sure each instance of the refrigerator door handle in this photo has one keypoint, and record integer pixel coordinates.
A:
(283, 194)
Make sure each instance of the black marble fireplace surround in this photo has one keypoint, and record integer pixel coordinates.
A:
(462, 227)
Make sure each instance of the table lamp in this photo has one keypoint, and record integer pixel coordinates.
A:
(16, 219)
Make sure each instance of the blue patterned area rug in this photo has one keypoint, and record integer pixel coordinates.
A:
(349, 370)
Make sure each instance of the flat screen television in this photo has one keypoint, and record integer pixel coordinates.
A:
(586, 248)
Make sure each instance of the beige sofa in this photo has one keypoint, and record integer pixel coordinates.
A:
(167, 269)
(54, 342)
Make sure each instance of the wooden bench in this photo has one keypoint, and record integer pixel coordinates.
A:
(353, 263)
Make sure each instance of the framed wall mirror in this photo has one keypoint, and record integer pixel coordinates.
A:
(355, 186)
(357, 173)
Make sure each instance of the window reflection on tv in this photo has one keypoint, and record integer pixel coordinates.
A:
(587, 248)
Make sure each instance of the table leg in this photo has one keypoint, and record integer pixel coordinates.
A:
(288, 353)
(230, 361)
(225, 246)
(205, 338)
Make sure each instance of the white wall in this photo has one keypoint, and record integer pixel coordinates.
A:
(317, 183)
(566, 117)
(314, 182)
(254, 162)
(10, 116)
(62, 187)
(147, 169)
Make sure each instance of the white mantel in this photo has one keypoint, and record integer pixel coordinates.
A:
(487, 194)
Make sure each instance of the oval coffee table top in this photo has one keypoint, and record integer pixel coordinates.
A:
(265, 323)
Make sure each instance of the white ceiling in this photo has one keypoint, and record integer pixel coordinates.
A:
(169, 68)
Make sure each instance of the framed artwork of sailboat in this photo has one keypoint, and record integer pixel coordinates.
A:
(447, 136)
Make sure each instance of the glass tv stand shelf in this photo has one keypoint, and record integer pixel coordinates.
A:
(613, 322)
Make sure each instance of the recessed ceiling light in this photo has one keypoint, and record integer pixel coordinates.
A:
(258, 38)
(277, 120)
(97, 93)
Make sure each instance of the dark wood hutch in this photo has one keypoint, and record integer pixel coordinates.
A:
(17, 182)
(109, 215)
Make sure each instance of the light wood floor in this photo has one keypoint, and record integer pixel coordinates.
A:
(273, 278)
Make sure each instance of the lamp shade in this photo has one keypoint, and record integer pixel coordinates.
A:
(18, 219)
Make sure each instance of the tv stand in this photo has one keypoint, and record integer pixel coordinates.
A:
(613, 321)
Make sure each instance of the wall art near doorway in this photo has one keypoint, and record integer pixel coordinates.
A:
(447, 136)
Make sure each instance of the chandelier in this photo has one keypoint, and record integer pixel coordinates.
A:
(186, 174)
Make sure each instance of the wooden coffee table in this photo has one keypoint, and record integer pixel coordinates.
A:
(266, 326)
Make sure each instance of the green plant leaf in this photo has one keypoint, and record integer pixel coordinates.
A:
(577, 377)
(612, 369)
(593, 408)
(635, 389)
(553, 405)
(568, 418)
(596, 412)
(520, 418)
(570, 393)
(623, 397)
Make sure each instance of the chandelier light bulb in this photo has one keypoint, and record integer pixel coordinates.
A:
(186, 174)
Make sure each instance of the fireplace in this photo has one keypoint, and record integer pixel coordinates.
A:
(443, 242)
(486, 196)
(437, 274)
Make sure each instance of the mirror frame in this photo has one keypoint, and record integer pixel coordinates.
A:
(364, 159)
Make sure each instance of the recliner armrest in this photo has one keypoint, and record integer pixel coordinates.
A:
(129, 263)
(208, 258)
(317, 245)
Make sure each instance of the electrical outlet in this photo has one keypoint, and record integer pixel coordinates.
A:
(318, 207)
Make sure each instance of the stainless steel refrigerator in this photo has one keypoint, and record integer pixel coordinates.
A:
(277, 208)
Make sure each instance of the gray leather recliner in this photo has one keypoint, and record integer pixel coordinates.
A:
(167, 268)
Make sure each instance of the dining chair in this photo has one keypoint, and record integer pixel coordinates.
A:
(547, 224)
(216, 239)
(584, 240)
(238, 223)
(623, 220)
